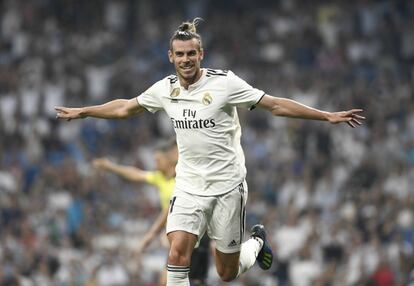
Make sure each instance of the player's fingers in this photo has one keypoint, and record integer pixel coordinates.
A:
(350, 124)
(356, 121)
(60, 115)
(60, 109)
(61, 112)
(358, 116)
(357, 110)
(354, 113)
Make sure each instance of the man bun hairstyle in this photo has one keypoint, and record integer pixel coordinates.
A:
(187, 31)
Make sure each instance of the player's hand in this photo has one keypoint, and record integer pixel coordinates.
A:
(351, 117)
(68, 113)
(101, 163)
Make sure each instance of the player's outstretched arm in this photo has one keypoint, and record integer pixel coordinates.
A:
(115, 109)
(127, 172)
(290, 108)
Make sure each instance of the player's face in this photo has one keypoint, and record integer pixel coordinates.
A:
(186, 57)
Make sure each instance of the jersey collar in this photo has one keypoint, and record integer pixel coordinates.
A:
(199, 81)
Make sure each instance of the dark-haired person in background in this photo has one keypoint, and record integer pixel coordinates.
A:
(211, 192)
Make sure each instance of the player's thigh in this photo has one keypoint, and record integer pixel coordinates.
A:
(226, 226)
(186, 214)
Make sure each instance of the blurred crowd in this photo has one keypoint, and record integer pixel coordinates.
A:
(338, 202)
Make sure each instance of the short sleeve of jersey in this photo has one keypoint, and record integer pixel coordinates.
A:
(153, 178)
(240, 93)
(150, 99)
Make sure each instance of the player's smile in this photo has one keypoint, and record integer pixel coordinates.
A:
(188, 69)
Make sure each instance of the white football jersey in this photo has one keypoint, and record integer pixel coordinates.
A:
(204, 117)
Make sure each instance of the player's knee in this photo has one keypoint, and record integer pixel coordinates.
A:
(177, 257)
(227, 275)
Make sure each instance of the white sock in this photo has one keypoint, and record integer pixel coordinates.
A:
(248, 253)
(177, 275)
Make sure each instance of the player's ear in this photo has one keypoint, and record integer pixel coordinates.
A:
(170, 56)
(201, 53)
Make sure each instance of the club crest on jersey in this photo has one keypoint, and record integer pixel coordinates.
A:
(207, 99)
(175, 92)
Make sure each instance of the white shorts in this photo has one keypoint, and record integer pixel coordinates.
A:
(222, 216)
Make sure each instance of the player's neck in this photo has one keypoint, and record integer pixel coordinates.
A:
(187, 82)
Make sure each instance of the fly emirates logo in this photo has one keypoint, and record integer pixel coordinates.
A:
(189, 121)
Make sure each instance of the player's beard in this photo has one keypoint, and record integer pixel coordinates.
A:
(189, 76)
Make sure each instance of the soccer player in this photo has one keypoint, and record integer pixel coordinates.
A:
(210, 192)
(164, 179)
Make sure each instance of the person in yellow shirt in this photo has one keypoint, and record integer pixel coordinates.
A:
(163, 178)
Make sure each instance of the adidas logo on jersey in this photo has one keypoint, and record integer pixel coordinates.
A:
(232, 243)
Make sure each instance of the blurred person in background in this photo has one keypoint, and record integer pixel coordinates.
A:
(210, 172)
(163, 178)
